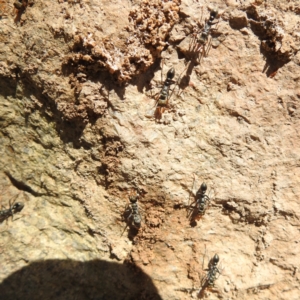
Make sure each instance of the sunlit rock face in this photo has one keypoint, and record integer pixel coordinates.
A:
(84, 129)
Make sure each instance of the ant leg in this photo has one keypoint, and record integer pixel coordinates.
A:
(161, 111)
(157, 100)
(151, 112)
(217, 23)
(213, 196)
(124, 229)
(11, 205)
(152, 87)
(169, 97)
(190, 207)
(176, 84)
(186, 79)
(10, 211)
(201, 16)
(201, 51)
(126, 207)
(194, 186)
(126, 223)
(2, 217)
(220, 271)
(193, 41)
(191, 211)
(12, 214)
(203, 281)
(129, 217)
(204, 257)
(197, 32)
(158, 113)
(192, 190)
(208, 47)
(178, 80)
(162, 71)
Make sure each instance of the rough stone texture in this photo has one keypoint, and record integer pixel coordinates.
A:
(77, 86)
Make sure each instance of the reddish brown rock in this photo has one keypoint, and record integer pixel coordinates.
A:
(79, 82)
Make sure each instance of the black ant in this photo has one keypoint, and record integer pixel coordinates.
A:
(20, 5)
(163, 97)
(201, 37)
(213, 273)
(19, 8)
(13, 209)
(199, 206)
(132, 214)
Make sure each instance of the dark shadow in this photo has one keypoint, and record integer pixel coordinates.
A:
(132, 233)
(70, 280)
(237, 24)
(193, 223)
(69, 131)
(143, 81)
(194, 217)
(274, 59)
(20, 185)
(186, 78)
(193, 214)
(92, 70)
(8, 86)
(273, 63)
(201, 293)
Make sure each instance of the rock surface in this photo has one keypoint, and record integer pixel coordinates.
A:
(78, 81)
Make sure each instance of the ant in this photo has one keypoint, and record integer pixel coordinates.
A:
(133, 217)
(213, 273)
(201, 37)
(20, 6)
(15, 208)
(201, 202)
(162, 98)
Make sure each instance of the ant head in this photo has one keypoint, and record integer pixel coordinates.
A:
(18, 5)
(215, 259)
(134, 199)
(17, 207)
(214, 12)
(171, 73)
(203, 187)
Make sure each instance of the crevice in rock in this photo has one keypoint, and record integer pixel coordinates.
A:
(241, 213)
(69, 129)
(271, 35)
(285, 214)
(234, 113)
(20, 185)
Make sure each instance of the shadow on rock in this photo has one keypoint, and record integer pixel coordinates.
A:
(67, 279)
